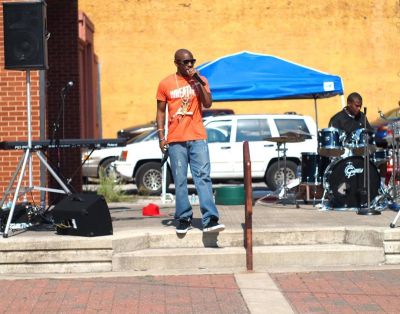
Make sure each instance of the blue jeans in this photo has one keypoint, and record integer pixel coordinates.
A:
(194, 153)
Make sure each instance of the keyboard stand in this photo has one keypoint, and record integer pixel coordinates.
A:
(21, 167)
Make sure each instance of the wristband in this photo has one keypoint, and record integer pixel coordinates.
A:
(162, 139)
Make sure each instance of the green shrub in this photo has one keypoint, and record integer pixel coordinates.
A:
(109, 188)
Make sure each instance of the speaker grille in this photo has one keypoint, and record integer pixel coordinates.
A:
(25, 44)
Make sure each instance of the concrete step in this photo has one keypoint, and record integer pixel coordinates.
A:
(198, 239)
(235, 257)
(56, 268)
(392, 234)
(64, 256)
(391, 245)
(392, 259)
(55, 254)
(131, 250)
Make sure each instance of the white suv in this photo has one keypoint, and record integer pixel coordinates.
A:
(141, 161)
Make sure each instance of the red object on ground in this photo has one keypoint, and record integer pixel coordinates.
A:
(151, 210)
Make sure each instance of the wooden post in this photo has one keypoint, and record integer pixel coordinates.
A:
(248, 233)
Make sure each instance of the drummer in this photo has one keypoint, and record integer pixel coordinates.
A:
(350, 118)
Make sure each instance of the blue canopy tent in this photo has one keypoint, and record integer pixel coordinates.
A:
(254, 76)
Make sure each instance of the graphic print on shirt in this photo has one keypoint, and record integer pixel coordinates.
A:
(182, 92)
(185, 94)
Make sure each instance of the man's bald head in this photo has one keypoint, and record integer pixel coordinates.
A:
(182, 54)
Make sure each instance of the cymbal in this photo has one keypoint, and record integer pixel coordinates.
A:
(286, 139)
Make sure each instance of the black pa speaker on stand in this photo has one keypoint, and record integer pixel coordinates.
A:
(82, 215)
(25, 35)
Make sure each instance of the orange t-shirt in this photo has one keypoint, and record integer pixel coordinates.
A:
(175, 89)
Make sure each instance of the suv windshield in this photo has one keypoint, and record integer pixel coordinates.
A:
(143, 137)
(252, 130)
(292, 125)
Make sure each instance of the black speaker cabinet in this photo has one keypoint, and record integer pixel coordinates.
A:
(25, 43)
(20, 215)
(83, 215)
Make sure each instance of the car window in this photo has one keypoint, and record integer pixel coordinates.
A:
(292, 125)
(144, 137)
(216, 112)
(219, 131)
(252, 130)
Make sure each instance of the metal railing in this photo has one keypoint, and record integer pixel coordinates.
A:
(248, 232)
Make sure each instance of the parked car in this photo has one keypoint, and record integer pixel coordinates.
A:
(141, 161)
(102, 159)
(136, 130)
(384, 126)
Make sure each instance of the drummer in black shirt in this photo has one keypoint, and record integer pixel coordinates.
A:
(350, 118)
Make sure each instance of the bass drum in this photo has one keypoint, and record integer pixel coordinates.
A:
(344, 182)
(313, 167)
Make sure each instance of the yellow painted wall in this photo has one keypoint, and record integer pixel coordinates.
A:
(135, 41)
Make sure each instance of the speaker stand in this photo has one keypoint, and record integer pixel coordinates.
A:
(21, 167)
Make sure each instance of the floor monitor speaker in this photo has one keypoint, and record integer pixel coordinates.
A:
(25, 35)
(82, 215)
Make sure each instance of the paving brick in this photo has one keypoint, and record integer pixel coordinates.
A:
(148, 294)
(365, 291)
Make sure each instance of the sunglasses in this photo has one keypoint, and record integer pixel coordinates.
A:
(187, 61)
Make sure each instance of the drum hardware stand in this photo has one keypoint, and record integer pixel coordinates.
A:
(316, 186)
(395, 159)
(395, 163)
(283, 192)
(21, 167)
(366, 193)
(275, 193)
(322, 205)
(395, 156)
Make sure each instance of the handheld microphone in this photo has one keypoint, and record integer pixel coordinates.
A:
(198, 78)
(365, 110)
(68, 85)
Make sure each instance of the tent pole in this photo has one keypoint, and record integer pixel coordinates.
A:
(343, 102)
(316, 114)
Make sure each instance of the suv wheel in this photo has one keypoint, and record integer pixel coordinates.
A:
(108, 170)
(149, 178)
(274, 176)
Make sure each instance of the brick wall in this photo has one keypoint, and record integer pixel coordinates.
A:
(63, 66)
(62, 23)
(136, 40)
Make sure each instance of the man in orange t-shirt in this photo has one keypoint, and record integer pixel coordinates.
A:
(186, 93)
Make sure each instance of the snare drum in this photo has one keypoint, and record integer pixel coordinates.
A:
(330, 142)
(313, 168)
(357, 142)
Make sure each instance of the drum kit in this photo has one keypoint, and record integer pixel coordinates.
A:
(348, 168)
